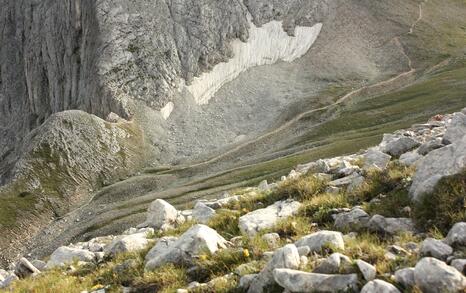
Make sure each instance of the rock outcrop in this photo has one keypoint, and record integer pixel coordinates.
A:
(194, 241)
(442, 162)
(261, 219)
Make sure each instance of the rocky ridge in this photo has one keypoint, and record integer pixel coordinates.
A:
(305, 262)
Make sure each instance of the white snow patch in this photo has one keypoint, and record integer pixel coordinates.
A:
(266, 45)
(167, 110)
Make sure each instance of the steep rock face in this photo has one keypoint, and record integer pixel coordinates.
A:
(114, 56)
(65, 159)
(47, 65)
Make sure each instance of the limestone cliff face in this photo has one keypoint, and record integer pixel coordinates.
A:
(111, 56)
(46, 66)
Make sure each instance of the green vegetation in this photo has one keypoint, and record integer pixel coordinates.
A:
(319, 208)
(445, 206)
(302, 188)
(225, 222)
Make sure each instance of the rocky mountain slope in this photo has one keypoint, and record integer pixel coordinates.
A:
(387, 219)
(106, 106)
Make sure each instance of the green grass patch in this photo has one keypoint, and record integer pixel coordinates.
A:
(319, 208)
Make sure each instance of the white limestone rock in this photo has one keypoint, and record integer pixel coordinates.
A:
(9, 278)
(430, 145)
(390, 226)
(410, 158)
(160, 215)
(374, 158)
(261, 219)
(246, 281)
(351, 182)
(457, 235)
(333, 264)
(25, 268)
(355, 219)
(66, 255)
(449, 160)
(405, 277)
(397, 145)
(368, 271)
(456, 129)
(319, 240)
(298, 281)
(285, 257)
(460, 265)
(272, 239)
(197, 239)
(202, 213)
(127, 243)
(379, 286)
(432, 275)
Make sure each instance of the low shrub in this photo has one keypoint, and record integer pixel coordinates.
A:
(319, 208)
(225, 222)
(301, 188)
(377, 182)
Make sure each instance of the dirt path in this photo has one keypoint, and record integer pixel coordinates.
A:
(338, 102)
(300, 116)
(411, 30)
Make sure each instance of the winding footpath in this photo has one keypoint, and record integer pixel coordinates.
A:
(288, 124)
(338, 102)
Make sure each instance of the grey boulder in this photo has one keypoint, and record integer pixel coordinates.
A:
(160, 215)
(379, 286)
(367, 270)
(65, 255)
(390, 226)
(374, 158)
(432, 276)
(127, 243)
(355, 219)
(398, 145)
(7, 279)
(459, 264)
(298, 281)
(405, 277)
(457, 235)
(197, 239)
(322, 239)
(447, 161)
(410, 158)
(456, 129)
(435, 248)
(202, 213)
(333, 264)
(261, 219)
(286, 257)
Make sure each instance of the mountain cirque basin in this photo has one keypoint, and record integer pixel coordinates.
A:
(200, 97)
